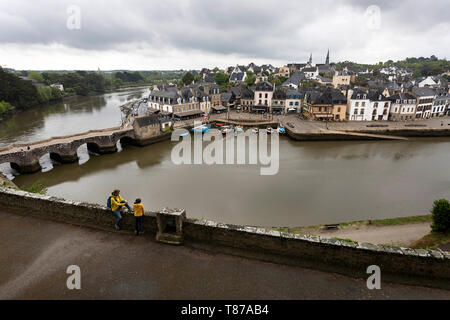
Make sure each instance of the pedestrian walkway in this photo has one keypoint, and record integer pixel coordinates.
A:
(35, 255)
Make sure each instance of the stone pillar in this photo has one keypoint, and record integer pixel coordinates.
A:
(170, 226)
(64, 158)
(30, 167)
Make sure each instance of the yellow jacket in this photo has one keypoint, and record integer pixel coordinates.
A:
(116, 202)
(138, 209)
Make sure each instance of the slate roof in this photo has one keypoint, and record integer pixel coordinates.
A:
(238, 76)
(147, 120)
(423, 92)
(401, 97)
(264, 86)
(295, 79)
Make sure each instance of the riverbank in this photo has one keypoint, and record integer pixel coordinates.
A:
(409, 232)
(6, 183)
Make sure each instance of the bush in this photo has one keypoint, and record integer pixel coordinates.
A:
(441, 216)
(4, 107)
(37, 187)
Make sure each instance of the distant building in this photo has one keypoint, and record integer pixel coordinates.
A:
(425, 99)
(57, 85)
(403, 107)
(441, 105)
(359, 108)
(341, 78)
(263, 97)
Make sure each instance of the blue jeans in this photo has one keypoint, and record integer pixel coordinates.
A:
(138, 224)
(118, 216)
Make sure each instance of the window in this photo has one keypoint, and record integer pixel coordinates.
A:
(339, 110)
(375, 105)
(362, 111)
(266, 96)
(363, 104)
(356, 111)
(357, 104)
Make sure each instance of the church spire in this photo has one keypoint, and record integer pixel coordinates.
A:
(327, 61)
(310, 60)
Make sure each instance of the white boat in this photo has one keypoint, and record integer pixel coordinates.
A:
(202, 128)
(281, 129)
(227, 130)
(238, 130)
(269, 130)
(255, 130)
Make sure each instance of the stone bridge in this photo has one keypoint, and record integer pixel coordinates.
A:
(25, 157)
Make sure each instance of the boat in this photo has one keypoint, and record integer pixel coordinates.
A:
(281, 129)
(227, 130)
(269, 130)
(202, 128)
(255, 130)
(238, 130)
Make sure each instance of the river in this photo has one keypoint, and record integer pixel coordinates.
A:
(318, 182)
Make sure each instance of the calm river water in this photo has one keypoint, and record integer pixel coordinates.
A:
(318, 182)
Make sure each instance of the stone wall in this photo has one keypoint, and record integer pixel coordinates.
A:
(403, 265)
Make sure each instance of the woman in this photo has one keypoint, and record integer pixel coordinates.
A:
(117, 203)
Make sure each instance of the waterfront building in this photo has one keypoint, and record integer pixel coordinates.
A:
(425, 99)
(213, 91)
(293, 101)
(182, 103)
(321, 107)
(380, 106)
(279, 100)
(339, 102)
(359, 106)
(263, 97)
(247, 98)
(441, 105)
(403, 107)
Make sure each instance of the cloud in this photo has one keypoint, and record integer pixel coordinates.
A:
(272, 31)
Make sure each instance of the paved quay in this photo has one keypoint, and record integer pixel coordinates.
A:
(35, 254)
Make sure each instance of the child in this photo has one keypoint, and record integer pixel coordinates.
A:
(139, 210)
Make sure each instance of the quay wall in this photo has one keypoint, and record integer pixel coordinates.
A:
(402, 265)
(325, 136)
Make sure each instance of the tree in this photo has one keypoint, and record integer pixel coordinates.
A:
(221, 78)
(36, 76)
(251, 78)
(188, 78)
(441, 216)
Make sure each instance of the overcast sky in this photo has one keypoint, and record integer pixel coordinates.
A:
(190, 34)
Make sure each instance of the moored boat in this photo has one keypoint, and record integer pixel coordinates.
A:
(202, 128)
